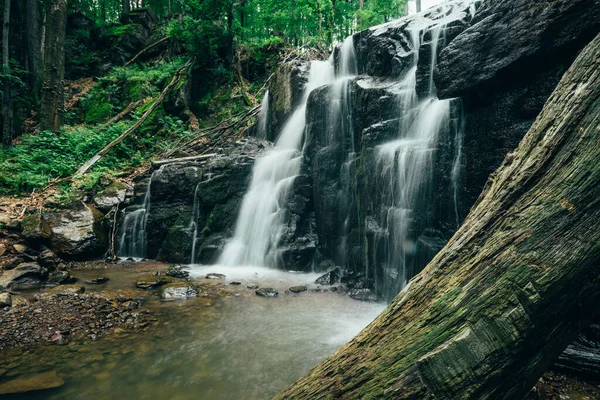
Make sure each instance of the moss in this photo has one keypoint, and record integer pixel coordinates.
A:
(98, 111)
(120, 30)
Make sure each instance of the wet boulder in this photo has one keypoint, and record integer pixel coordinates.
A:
(24, 276)
(266, 292)
(77, 232)
(5, 300)
(112, 195)
(35, 228)
(152, 281)
(48, 259)
(61, 277)
(175, 292)
(330, 278)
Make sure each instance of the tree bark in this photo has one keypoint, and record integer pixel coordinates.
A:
(52, 106)
(7, 111)
(513, 286)
(34, 45)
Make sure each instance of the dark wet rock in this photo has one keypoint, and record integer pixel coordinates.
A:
(215, 186)
(26, 384)
(252, 287)
(330, 278)
(26, 275)
(582, 357)
(12, 263)
(215, 276)
(235, 283)
(5, 300)
(178, 292)
(267, 292)
(61, 277)
(298, 289)
(77, 232)
(97, 281)
(481, 52)
(48, 259)
(35, 228)
(152, 281)
(110, 197)
(363, 294)
(176, 271)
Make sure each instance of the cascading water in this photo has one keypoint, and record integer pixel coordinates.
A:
(134, 239)
(405, 167)
(263, 118)
(260, 222)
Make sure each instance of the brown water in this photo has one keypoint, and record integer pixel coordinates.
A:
(237, 347)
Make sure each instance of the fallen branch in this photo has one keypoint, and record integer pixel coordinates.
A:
(138, 55)
(112, 254)
(182, 159)
(85, 167)
(122, 114)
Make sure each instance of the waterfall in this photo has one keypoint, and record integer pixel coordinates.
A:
(404, 166)
(263, 118)
(134, 239)
(260, 222)
(193, 226)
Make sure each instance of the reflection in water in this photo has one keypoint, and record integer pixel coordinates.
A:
(240, 347)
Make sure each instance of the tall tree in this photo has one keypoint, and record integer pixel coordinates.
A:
(33, 14)
(513, 286)
(52, 106)
(7, 112)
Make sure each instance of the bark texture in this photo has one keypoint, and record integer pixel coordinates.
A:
(34, 44)
(52, 106)
(510, 290)
(7, 111)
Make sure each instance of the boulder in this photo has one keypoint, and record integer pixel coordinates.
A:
(35, 228)
(77, 232)
(48, 259)
(363, 294)
(12, 263)
(61, 277)
(26, 275)
(267, 292)
(152, 281)
(298, 289)
(5, 300)
(330, 278)
(112, 195)
(178, 292)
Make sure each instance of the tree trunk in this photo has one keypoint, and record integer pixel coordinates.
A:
(510, 290)
(52, 107)
(34, 45)
(126, 7)
(7, 112)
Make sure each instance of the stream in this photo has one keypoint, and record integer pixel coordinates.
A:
(238, 346)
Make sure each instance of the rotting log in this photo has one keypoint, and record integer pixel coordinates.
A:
(513, 286)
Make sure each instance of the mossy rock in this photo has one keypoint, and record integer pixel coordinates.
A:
(35, 228)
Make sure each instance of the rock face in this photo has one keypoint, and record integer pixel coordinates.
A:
(193, 199)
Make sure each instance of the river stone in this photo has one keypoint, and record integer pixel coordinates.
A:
(97, 281)
(13, 262)
(363, 295)
(298, 289)
(20, 248)
(26, 275)
(61, 277)
(24, 384)
(178, 292)
(152, 281)
(2, 249)
(48, 259)
(77, 232)
(111, 196)
(330, 278)
(215, 276)
(176, 271)
(267, 292)
(5, 300)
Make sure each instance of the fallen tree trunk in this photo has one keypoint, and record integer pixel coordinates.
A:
(182, 159)
(513, 286)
